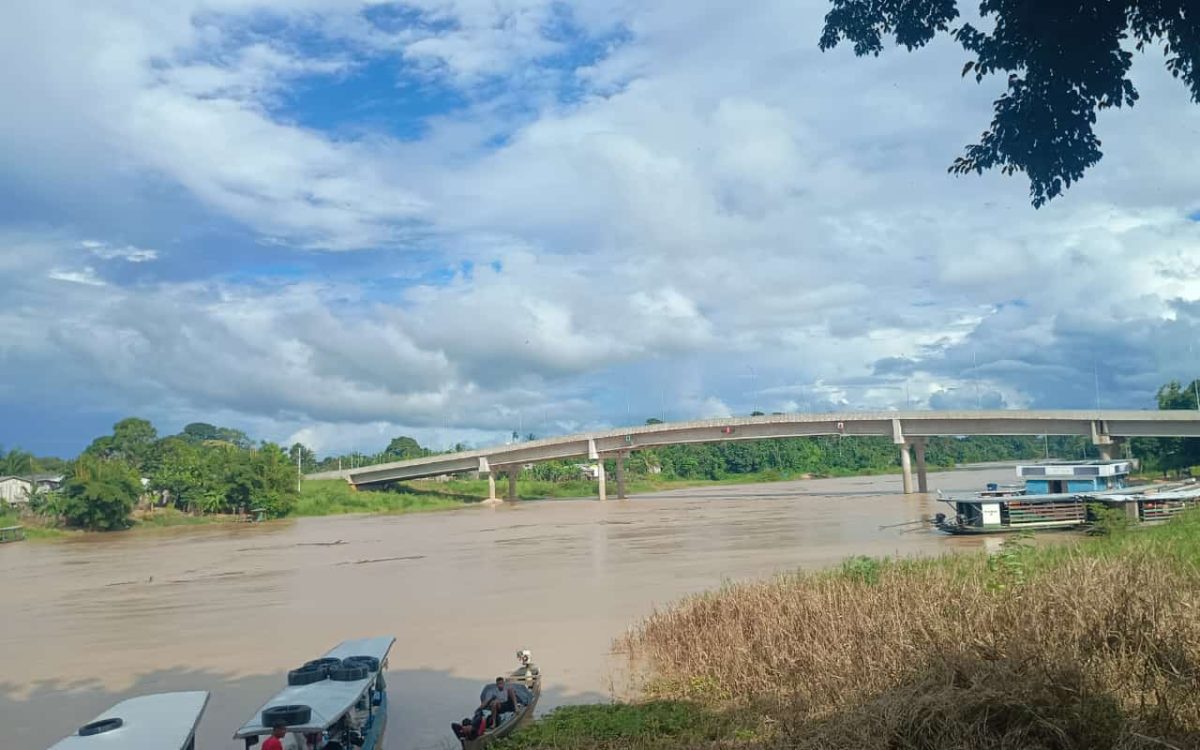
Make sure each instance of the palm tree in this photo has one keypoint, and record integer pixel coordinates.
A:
(17, 463)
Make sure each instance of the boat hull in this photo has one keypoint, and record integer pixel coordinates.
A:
(373, 737)
(978, 530)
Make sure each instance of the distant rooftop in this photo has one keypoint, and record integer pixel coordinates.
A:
(1075, 469)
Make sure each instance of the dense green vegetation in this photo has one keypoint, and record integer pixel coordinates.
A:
(202, 470)
(100, 495)
(331, 496)
(220, 477)
(1172, 455)
(1091, 644)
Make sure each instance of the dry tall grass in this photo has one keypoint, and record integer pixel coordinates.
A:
(1096, 646)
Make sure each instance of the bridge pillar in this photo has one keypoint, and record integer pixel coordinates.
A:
(906, 468)
(491, 498)
(1105, 444)
(601, 479)
(512, 482)
(922, 479)
(620, 476)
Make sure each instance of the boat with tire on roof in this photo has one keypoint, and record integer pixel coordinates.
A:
(335, 702)
(160, 721)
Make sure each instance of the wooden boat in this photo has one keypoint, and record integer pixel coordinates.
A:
(1064, 496)
(339, 699)
(12, 534)
(994, 515)
(1054, 496)
(527, 675)
(162, 721)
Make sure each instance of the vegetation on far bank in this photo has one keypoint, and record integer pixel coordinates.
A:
(529, 488)
(324, 497)
(1092, 645)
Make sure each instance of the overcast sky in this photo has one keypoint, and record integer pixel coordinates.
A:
(339, 222)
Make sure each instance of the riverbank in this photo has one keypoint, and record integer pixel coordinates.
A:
(331, 497)
(1090, 645)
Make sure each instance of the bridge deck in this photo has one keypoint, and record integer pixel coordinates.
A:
(1100, 425)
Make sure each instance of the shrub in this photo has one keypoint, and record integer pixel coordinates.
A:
(100, 496)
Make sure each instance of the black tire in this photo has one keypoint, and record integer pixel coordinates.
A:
(325, 662)
(287, 715)
(100, 727)
(370, 662)
(349, 673)
(306, 675)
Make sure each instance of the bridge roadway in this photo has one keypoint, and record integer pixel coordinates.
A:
(909, 430)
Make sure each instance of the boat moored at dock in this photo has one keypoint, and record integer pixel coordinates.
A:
(1063, 496)
(161, 721)
(338, 701)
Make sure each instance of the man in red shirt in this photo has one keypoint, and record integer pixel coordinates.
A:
(275, 741)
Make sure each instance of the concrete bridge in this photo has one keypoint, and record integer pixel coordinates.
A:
(1107, 429)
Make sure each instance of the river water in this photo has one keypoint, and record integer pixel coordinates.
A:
(229, 609)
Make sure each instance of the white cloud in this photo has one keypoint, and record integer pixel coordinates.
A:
(86, 276)
(128, 253)
(718, 196)
(713, 408)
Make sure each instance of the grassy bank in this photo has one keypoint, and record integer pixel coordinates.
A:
(34, 528)
(1091, 645)
(333, 496)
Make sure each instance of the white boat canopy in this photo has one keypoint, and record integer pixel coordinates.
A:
(163, 721)
(328, 699)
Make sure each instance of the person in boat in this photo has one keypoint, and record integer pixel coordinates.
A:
(470, 728)
(499, 698)
(275, 741)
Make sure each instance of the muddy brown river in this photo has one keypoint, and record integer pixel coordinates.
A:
(229, 609)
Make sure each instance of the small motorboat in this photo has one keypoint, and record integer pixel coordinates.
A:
(160, 721)
(527, 681)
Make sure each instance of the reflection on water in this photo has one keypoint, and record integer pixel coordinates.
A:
(230, 609)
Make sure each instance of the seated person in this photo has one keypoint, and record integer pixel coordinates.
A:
(499, 698)
(470, 728)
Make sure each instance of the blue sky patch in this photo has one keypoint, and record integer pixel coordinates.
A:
(375, 96)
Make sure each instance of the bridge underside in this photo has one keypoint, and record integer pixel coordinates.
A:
(908, 430)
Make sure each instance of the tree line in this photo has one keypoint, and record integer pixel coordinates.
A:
(203, 469)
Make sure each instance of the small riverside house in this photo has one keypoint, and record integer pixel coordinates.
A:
(15, 490)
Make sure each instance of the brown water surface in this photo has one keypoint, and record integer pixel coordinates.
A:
(229, 609)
